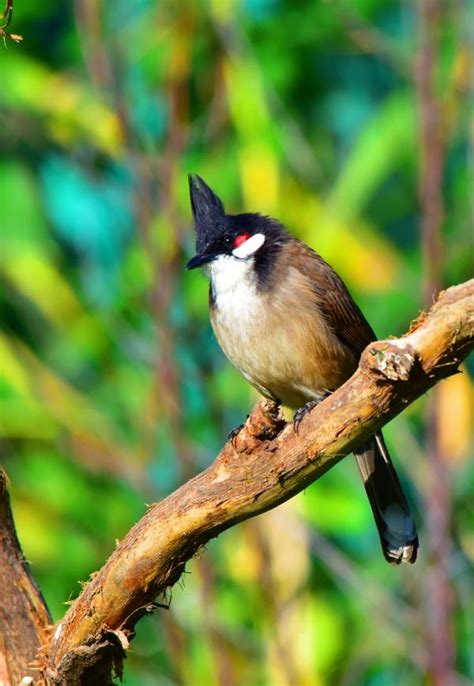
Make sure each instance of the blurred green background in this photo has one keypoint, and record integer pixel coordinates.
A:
(112, 388)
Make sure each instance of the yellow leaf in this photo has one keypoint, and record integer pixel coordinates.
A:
(455, 410)
(71, 109)
(11, 369)
(259, 172)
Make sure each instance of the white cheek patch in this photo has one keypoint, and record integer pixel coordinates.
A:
(249, 247)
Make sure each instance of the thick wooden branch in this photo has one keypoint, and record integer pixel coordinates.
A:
(25, 623)
(267, 464)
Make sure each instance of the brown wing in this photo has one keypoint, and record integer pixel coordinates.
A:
(340, 311)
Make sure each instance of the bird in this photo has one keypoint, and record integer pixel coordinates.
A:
(285, 319)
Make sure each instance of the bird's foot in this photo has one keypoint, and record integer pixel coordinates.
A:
(303, 411)
(232, 435)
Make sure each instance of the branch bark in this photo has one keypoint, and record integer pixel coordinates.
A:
(267, 464)
(25, 622)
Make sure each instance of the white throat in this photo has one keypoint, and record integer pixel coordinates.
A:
(231, 273)
(234, 281)
(231, 277)
(236, 300)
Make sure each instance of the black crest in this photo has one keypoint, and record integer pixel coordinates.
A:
(208, 212)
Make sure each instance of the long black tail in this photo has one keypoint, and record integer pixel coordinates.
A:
(392, 515)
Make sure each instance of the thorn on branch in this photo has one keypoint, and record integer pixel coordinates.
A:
(419, 321)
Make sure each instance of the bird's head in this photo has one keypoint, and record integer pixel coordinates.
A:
(241, 237)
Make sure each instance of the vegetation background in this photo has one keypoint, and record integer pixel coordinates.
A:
(112, 388)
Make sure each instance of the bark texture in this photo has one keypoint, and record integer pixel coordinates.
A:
(25, 622)
(266, 464)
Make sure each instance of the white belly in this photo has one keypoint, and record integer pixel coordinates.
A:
(286, 352)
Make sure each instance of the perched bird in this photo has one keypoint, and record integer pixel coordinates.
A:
(286, 320)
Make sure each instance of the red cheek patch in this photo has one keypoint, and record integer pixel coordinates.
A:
(241, 239)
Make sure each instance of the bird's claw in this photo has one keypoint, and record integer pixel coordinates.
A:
(232, 435)
(303, 411)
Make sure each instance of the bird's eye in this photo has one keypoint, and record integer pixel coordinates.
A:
(228, 240)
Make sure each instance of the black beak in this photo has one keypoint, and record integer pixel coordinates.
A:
(200, 260)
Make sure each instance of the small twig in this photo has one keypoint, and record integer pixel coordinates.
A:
(6, 17)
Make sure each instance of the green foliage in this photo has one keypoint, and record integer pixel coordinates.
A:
(112, 388)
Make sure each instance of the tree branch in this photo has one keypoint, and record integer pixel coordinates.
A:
(25, 622)
(267, 464)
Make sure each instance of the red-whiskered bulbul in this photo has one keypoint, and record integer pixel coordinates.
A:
(286, 320)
